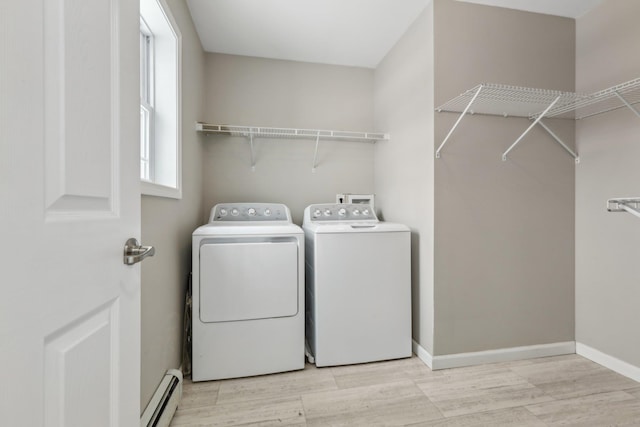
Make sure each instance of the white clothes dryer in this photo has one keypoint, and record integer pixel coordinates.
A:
(248, 292)
(358, 289)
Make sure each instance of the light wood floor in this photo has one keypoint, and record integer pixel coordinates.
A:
(553, 391)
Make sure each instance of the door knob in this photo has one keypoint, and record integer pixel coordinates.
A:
(134, 252)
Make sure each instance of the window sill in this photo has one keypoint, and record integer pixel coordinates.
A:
(148, 188)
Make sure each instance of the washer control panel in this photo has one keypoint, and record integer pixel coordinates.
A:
(342, 212)
(244, 212)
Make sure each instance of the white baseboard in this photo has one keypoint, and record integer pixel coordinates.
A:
(609, 362)
(422, 354)
(493, 356)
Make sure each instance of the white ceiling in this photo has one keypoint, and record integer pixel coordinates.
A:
(566, 8)
(343, 32)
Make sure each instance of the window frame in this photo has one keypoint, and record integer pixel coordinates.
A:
(165, 109)
(147, 112)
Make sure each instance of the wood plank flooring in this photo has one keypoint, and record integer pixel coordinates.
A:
(552, 391)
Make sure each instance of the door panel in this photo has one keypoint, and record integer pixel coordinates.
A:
(80, 116)
(71, 397)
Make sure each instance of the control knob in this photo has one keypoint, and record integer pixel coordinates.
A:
(365, 212)
(251, 212)
(223, 212)
(267, 212)
(342, 212)
(235, 212)
(317, 213)
(356, 212)
(327, 212)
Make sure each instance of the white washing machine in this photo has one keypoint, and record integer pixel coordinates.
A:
(248, 292)
(358, 289)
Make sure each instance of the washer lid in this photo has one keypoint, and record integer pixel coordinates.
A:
(354, 227)
(247, 228)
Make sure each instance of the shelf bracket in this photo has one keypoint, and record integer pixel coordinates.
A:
(253, 158)
(455, 125)
(535, 122)
(630, 205)
(625, 102)
(559, 141)
(315, 154)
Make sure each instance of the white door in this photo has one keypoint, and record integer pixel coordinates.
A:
(69, 199)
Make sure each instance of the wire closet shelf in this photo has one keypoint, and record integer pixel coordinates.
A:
(291, 133)
(536, 104)
(251, 132)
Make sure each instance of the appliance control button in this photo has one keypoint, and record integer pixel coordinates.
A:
(317, 213)
(251, 212)
(365, 212)
(267, 212)
(342, 212)
(223, 212)
(356, 212)
(327, 212)
(235, 212)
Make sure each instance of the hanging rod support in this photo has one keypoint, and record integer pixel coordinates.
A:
(458, 121)
(630, 205)
(535, 122)
(625, 102)
(559, 141)
(253, 158)
(315, 154)
(632, 211)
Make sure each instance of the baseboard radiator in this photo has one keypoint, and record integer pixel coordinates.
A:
(164, 402)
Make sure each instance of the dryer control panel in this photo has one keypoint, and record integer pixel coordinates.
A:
(342, 212)
(245, 212)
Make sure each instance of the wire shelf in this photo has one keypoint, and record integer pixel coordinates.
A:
(536, 104)
(507, 101)
(610, 99)
(290, 133)
(515, 101)
(251, 132)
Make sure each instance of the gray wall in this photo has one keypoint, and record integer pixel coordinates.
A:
(167, 224)
(498, 235)
(504, 231)
(404, 165)
(607, 291)
(264, 92)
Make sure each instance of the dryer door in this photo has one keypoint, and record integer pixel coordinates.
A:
(248, 280)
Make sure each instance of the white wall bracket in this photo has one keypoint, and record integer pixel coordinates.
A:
(625, 102)
(315, 154)
(455, 125)
(559, 141)
(630, 205)
(253, 154)
(535, 122)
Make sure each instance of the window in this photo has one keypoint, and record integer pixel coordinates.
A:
(160, 101)
(146, 102)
